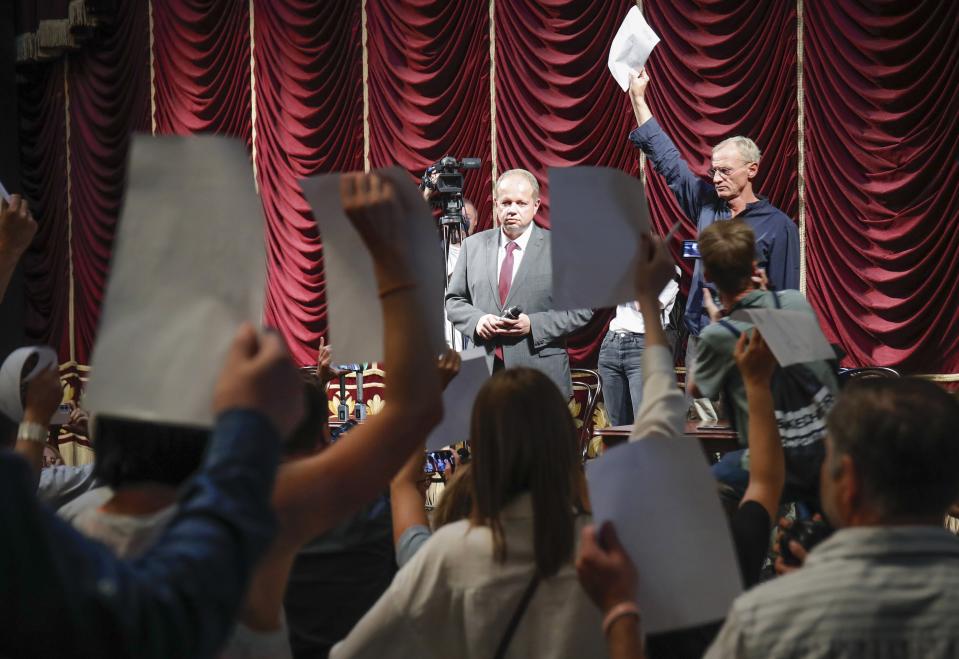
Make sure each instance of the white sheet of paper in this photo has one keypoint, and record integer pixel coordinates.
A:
(352, 296)
(705, 410)
(597, 215)
(458, 400)
(188, 267)
(794, 337)
(661, 497)
(633, 43)
(3, 192)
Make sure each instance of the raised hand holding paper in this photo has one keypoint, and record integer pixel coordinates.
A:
(597, 215)
(631, 47)
(355, 316)
(661, 497)
(188, 267)
(793, 336)
(458, 400)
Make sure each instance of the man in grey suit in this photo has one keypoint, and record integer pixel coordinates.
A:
(511, 266)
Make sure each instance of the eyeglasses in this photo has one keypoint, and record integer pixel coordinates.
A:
(724, 172)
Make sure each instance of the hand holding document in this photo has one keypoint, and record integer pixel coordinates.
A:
(661, 497)
(793, 336)
(631, 47)
(188, 267)
(458, 400)
(597, 215)
(352, 293)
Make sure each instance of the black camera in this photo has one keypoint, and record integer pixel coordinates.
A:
(808, 533)
(448, 188)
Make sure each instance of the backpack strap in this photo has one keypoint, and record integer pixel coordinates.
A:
(732, 328)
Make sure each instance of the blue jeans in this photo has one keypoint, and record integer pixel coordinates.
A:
(620, 369)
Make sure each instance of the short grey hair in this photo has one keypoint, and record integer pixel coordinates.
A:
(747, 148)
(533, 183)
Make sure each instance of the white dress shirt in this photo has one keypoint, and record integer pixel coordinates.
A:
(522, 241)
(630, 319)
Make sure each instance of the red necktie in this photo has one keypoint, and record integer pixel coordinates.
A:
(505, 280)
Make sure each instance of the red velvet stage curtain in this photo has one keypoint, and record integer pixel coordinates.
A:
(309, 119)
(429, 92)
(109, 89)
(201, 52)
(557, 105)
(723, 68)
(882, 135)
(44, 175)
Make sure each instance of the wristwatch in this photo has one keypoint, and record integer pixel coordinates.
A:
(32, 432)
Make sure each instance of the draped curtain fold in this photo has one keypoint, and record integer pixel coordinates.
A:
(882, 130)
(309, 91)
(880, 133)
(429, 92)
(201, 51)
(109, 99)
(556, 104)
(43, 169)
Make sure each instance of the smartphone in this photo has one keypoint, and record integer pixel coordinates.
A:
(690, 249)
(61, 416)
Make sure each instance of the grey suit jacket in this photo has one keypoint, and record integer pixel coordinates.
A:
(474, 292)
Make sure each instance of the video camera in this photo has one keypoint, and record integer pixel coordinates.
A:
(448, 188)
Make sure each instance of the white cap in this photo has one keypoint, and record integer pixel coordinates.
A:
(10, 403)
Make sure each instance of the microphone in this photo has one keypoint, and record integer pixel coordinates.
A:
(512, 313)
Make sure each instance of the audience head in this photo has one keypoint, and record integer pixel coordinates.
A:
(130, 453)
(522, 439)
(517, 200)
(456, 502)
(313, 432)
(728, 251)
(735, 164)
(892, 454)
(471, 216)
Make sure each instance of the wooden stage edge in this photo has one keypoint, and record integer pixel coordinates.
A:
(714, 440)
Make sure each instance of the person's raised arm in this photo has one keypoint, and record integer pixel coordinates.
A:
(43, 396)
(315, 493)
(17, 228)
(663, 409)
(608, 576)
(690, 190)
(767, 469)
(637, 96)
(408, 487)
